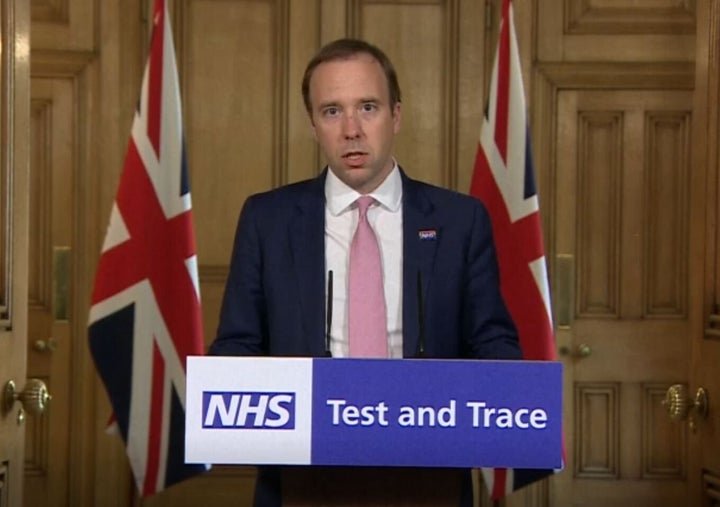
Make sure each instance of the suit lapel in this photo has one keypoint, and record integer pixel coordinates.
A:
(307, 243)
(421, 234)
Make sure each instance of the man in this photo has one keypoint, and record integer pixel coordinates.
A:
(293, 244)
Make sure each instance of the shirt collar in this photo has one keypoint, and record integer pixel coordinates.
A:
(339, 196)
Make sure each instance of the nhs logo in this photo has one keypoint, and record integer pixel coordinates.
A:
(240, 406)
(248, 410)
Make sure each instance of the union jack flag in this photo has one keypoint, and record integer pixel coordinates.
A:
(504, 180)
(145, 310)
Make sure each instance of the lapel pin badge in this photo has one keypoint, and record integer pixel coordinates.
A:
(427, 234)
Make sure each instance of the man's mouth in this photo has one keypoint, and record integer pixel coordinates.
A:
(355, 158)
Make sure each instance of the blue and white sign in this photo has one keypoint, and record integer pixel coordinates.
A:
(429, 413)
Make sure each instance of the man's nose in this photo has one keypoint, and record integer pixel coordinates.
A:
(351, 126)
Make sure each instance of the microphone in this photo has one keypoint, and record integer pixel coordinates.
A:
(421, 317)
(328, 313)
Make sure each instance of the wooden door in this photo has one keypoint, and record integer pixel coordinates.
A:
(622, 234)
(50, 343)
(613, 140)
(703, 422)
(14, 141)
(71, 130)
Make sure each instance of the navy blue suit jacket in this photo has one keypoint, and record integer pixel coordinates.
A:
(274, 302)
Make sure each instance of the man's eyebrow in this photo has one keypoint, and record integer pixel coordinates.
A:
(329, 103)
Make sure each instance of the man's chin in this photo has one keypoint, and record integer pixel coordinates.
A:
(357, 178)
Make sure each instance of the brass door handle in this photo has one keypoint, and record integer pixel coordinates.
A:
(47, 346)
(680, 407)
(581, 351)
(34, 397)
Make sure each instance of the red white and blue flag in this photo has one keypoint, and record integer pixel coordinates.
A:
(504, 180)
(145, 311)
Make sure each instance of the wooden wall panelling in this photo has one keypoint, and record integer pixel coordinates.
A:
(708, 120)
(304, 38)
(14, 165)
(573, 30)
(440, 49)
(333, 19)
(231, 113)
(245, 123)
(230, 109)
(429, 121)
(705, 468)
(66, 24)
(611, 17)
(475, 53)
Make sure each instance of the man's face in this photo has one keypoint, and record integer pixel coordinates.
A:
(352, 120)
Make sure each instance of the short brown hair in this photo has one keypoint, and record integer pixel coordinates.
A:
(342, 49)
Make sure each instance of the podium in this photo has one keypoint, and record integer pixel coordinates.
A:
(372, 486)
(372, 432)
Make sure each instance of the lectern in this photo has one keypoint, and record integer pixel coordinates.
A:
(372, 432)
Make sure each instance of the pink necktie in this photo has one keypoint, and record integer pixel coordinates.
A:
(367, 321)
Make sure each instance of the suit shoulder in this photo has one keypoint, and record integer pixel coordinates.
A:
(285, 197)
(286, 191)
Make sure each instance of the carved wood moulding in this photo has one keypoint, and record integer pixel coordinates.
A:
(605, 17)
(50, 11)
(597, 416)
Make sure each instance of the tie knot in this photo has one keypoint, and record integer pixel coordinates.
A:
(364, 202)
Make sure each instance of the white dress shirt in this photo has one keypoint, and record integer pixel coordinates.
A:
(385, 217)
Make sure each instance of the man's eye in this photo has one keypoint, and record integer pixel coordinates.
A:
(331, 111)
(369, 106)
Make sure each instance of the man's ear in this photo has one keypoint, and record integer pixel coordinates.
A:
(312, 126)
(397, 117)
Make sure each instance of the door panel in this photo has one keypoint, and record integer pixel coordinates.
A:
(49, 286)
(705, 432)
(622, 208)
(14, 107)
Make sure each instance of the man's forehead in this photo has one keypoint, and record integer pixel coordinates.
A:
(330, 77)
(363, 59)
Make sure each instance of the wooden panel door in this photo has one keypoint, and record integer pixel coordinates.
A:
(14, 108)
(704, 428)
(622, 233)
(80, 116)
(50, 343)
(613, 140)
